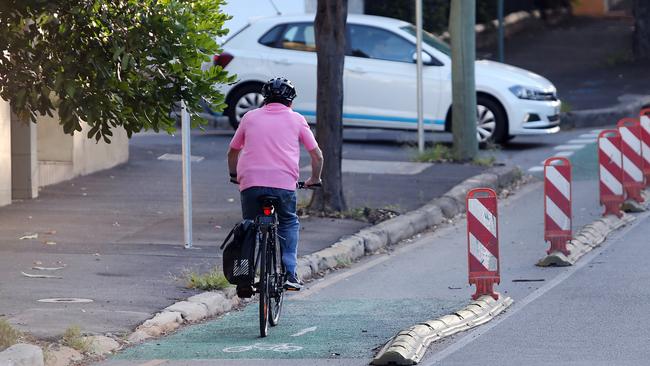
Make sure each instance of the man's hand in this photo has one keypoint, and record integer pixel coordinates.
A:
(313, 181)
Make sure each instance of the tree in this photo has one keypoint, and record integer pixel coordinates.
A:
(461, 27)
(330, 49)
(109, 63)
(642, 29)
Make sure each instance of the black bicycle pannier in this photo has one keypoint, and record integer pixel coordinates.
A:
(239, 254)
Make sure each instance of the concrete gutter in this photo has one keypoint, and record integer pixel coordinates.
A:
(409, 345)
(629, 106)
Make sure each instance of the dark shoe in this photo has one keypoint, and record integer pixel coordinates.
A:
(292, 283)
(244, 291)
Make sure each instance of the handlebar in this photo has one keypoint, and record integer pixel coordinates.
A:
(301, 185)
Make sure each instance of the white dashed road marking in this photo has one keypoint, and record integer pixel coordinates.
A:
(569, 147)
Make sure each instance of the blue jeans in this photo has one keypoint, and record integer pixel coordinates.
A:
(288, 225)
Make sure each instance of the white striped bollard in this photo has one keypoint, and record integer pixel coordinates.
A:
(483, 241)
(630, 131)
(644, 118)
(557, 204)
(610, 167)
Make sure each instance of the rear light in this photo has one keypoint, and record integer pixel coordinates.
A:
(268, 211)
(222, 60)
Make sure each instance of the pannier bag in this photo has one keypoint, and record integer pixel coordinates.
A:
(239, 254)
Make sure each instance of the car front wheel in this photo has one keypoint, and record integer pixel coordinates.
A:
(491, 123)
(243, 100)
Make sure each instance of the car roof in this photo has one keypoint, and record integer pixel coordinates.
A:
(355, 18)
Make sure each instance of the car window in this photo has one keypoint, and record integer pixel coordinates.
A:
(431, 40)
(380, 44)
(299, 37)
(271, 37)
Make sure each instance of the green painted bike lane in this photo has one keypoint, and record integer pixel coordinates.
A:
(343, 328)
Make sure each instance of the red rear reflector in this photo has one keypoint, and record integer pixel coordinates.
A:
(222, 60)
(268, 211)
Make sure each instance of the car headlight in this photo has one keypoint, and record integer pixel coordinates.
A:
(524, 92)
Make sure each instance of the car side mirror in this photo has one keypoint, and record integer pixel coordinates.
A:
(426, 58)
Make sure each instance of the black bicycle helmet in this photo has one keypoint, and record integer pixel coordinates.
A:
(279, 89)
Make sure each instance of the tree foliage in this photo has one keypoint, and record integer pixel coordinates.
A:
(109, 63)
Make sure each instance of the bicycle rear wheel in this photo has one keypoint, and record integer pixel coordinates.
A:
(264, 285)
(276, 282)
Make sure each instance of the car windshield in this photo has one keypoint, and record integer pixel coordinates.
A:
(430, 39)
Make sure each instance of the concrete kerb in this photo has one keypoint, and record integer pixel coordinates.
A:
(22, 354)
(629, 105)
(409, 345)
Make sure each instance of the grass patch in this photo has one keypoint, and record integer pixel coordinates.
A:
(439, 153)
(355, 214)
(484, 161)
(73, 339)
(566, 107)
(8, 335)
(213, 280)
(619, 58)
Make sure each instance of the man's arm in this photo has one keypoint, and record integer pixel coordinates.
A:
(316, 166)
(233, 157)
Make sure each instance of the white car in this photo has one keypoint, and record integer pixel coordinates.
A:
(379, 78)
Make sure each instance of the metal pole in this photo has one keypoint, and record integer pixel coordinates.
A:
(463, 58)
(418, 46)
(501, 36)
(187, 176)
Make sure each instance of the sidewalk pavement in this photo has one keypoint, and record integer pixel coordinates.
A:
(118, 233)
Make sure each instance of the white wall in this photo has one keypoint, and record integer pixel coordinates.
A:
(62, 157)
(90, 156)
(5, 153)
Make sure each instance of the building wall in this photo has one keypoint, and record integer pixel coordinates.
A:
(90, 156)
(24, 161)
(5, 153)
(62, 157)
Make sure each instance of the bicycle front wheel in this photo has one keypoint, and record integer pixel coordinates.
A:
(276, 282)
(264, 285)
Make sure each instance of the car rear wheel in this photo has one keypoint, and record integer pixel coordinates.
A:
(242, 100)
(491, 123)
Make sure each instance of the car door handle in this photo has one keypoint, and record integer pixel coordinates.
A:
(283, 61)
(357, 70)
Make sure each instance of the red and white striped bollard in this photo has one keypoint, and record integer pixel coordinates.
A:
(630, 131)
(557, 204)
(483, 241)
(610, 167)
(644, 119)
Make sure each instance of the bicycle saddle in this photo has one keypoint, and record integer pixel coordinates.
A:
(273, 200)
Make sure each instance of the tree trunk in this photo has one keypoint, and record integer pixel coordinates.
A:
(330, 49)
(642, 29)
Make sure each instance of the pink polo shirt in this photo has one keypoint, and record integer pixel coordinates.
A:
(269, 139)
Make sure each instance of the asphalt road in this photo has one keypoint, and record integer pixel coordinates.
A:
(344, 318)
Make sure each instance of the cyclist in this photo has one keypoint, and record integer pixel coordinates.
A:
(264, 159)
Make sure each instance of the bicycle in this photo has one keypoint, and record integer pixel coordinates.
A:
(268, 260)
